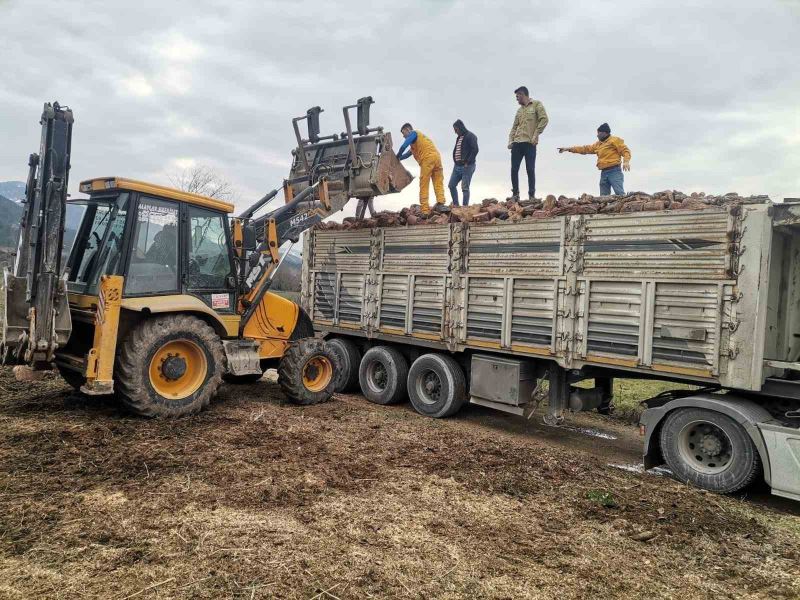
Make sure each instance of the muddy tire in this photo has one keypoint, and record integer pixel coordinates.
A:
(436, 386)
(169, 366)
(349, 361)
(709, 450)
(73, 378)
(307, 371)
(383, 375)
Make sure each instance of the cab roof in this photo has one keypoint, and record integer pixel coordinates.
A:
(104, 184)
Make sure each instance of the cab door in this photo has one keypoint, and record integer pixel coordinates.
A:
(209, 267)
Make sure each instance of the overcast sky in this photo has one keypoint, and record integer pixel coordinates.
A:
(706, 95)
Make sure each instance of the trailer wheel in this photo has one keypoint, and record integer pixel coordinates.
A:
(383, 374)
(436, 386)
(169, 366)
(350, 361)
(306, 371)
(709, 450)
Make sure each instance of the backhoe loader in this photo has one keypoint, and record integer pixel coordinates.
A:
(164, 295)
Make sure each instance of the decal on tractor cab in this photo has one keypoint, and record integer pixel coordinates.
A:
(220, 301)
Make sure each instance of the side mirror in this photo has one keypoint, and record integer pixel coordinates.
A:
(249, 242)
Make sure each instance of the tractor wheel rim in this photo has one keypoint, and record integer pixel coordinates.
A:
(178, 369)
(705, 447)
(317, 374)
(429, 387)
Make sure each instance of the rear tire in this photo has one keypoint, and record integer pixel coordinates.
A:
(436, 386)
(349, 361)
(383, 375)
(169, 366)
(709, 450)
(307, 370)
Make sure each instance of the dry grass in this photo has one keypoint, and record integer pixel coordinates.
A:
(254, 499)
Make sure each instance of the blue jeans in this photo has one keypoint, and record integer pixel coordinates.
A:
(462, 173)
(612, 177)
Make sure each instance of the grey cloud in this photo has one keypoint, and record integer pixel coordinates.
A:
(705, 95)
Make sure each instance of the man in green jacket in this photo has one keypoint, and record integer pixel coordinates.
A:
(529, 123)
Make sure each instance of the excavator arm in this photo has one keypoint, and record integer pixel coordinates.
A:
(35, 312)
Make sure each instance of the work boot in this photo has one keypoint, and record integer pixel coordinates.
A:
(441, 208)
(513, 197)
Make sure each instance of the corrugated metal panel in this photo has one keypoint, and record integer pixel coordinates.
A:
(532, 312)
(532, 247)
(341, 250)
(324, 295)
(394, 301)
(351, 297)
(676, 245)
(421, 249)
(485, 306)
(427, 312)
(614, 316)
(685, 324)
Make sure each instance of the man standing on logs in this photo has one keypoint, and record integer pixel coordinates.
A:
(430, 165)
(609, 149)
(464, 153)
(529, 123)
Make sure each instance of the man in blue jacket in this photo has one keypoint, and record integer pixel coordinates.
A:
(464, 153)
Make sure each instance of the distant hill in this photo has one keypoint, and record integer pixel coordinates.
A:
(12, 190)
(288, 276)
(10, 214)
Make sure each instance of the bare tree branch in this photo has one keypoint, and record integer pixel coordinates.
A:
(205, 181)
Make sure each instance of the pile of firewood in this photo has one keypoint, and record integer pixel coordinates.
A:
(492, 210)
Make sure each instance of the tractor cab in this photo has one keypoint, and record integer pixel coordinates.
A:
(162, 241)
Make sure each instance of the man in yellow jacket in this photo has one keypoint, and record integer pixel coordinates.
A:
(430, 164)
(610, 150)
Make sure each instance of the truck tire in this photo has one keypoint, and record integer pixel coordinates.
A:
(169, 366)
(307, 370)
(709, 450)
(349, 361)
(383, 375)
(436, 386)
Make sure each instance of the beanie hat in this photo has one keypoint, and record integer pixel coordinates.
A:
(604, 127)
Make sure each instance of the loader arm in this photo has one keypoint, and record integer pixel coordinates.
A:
(36, 319)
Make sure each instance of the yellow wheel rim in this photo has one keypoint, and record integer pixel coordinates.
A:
(317, 374)
(178, 369)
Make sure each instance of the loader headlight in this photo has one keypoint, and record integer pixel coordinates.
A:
(110, 183)
(86, 186)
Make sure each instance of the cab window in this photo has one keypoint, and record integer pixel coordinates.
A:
(209, 260)
(153, 267)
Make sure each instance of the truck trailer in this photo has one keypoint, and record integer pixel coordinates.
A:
(504, 315)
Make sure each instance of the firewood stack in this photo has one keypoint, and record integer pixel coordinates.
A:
(492, 210)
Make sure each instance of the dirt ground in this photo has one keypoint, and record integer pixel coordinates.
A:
(257, 499)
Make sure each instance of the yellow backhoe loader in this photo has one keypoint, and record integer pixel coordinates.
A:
(164, 295)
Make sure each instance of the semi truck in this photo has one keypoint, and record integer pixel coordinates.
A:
(507, 315)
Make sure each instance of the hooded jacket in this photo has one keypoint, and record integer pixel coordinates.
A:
(469, 145)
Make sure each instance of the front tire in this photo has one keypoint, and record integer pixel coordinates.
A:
(709, 450)
(436, 386)
(383, 375)
(170, 366)
(73, 378)
(306, 371)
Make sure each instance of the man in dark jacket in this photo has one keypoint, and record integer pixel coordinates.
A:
(464, 153)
